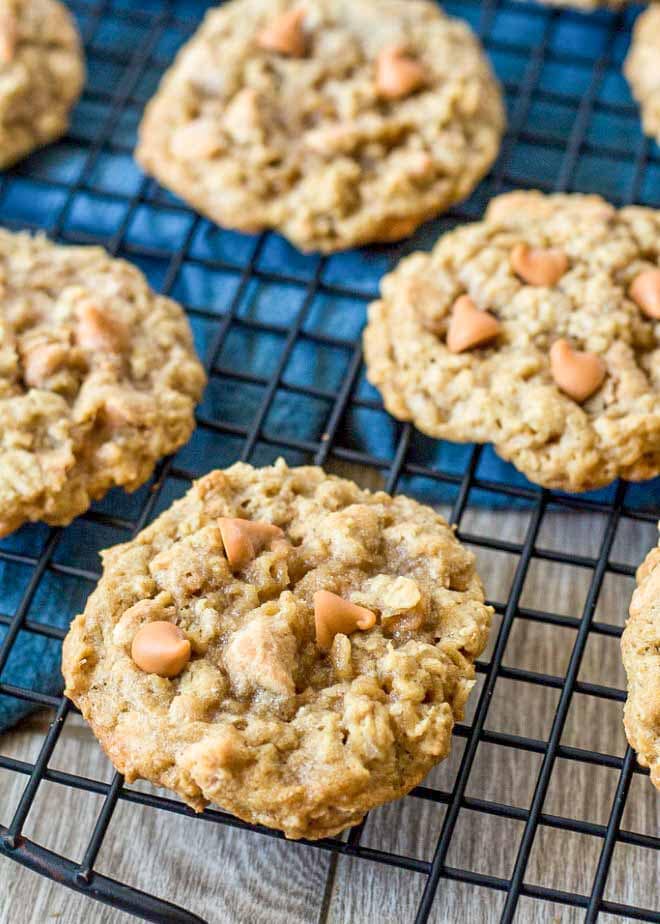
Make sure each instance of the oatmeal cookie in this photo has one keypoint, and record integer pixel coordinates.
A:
(641, 656)
(283, 644)
(335, 122)
(537, 329)
(98, 378)
(642, 68)
(41, 75)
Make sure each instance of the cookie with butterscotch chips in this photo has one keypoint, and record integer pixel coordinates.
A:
(282, 644)
(335, 122)
(536, 330)
(98, 378)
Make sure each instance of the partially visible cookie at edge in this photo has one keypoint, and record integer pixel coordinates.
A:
(283, 644)
(538, 330)
(642, 68)
(640, 645)
(41, 75)
(336, 123)
(98, 378)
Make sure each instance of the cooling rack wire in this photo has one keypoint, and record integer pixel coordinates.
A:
(572, 126)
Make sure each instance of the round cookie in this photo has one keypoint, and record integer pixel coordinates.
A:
(337, 123)
(640, 645)
(326, 665)
(98, 378)
(537, 330)
(41, 75)
(642, 69)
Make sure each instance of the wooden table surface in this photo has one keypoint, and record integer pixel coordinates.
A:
(226, 875)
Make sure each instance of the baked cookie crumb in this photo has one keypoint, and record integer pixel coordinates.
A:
(326, 665)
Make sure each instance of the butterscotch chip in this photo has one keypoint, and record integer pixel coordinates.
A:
(640, 645)
(98, 379)
(397, 74)
(160, 648)
(98, 330)
(538, 266)
(642, 68)
(313, 118)
(244, 539)
(8, 35)
(284, 34)
(577, 373)
(505, 392)
(41, 75)
(334, 615)
(469, 327)
(263, 720)
(645, 290)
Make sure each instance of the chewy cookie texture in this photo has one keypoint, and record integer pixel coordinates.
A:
(335, 122)
(641, 656)
(283, 644)
(538, 330)
(98, 378)
(41, 75)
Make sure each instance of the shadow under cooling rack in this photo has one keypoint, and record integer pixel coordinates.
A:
(281, 335)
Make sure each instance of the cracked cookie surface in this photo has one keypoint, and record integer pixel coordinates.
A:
(98, 378)
(642, 69)
(504, 392)
(41, 75)
(307, 144)
(262, 721)
(640, 645)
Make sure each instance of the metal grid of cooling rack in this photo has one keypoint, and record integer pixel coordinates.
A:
(561, 74)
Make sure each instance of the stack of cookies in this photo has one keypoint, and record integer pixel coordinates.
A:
(281, 642)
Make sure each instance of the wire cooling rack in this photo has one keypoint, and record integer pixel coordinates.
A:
(281, 335)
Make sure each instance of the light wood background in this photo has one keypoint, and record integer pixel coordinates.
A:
(226, 875)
